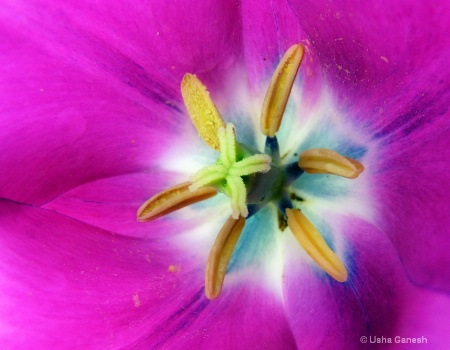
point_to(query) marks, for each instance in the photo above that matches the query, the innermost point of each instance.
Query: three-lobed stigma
(228, 172)
(247, 177)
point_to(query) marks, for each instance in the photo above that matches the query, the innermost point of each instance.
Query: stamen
(326, 161)
(172, 199)
(201, 109)
(220, 255)
(314, 244)
(279, 90)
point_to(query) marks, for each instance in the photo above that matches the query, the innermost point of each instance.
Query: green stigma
(226, 175)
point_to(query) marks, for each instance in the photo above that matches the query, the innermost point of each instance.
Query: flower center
(250, 179)
(227, 174)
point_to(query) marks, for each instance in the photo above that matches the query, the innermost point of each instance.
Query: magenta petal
(337, 313)
(373, 302)
(322, 314)
(88, 92)
(74, 109)
(195, 37)
(368, 45)
(244, 317)
(111, 204)
(425, 317)
(413, 182)
(269, 29)
(388, 63)
(65, 283)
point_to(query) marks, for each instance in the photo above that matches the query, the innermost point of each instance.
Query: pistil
(226, 174)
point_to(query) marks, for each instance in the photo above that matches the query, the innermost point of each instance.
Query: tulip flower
(288, 161)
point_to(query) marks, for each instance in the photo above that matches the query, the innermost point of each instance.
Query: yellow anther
(220, 255)
(326, 161)
(172, 199)
(201, 109)
(279, 90)
(314, 244)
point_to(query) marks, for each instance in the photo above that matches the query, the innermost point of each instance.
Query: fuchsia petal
(388, 63)
(79, 286)
(111, 204)
(373, 302)
(74, 109)
(246, 317)
(338, 314)
(88, 90)
(269, 29)
(414, 180)
(65, 284)
(375, 45)
(425, 317)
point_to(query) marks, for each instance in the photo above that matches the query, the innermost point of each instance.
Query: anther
(326, 161)
(172, 199)
(220, 255)
(279, 90)
(201, 109)
(314, 244)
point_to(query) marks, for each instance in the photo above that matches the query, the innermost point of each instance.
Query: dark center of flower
(250, 179)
